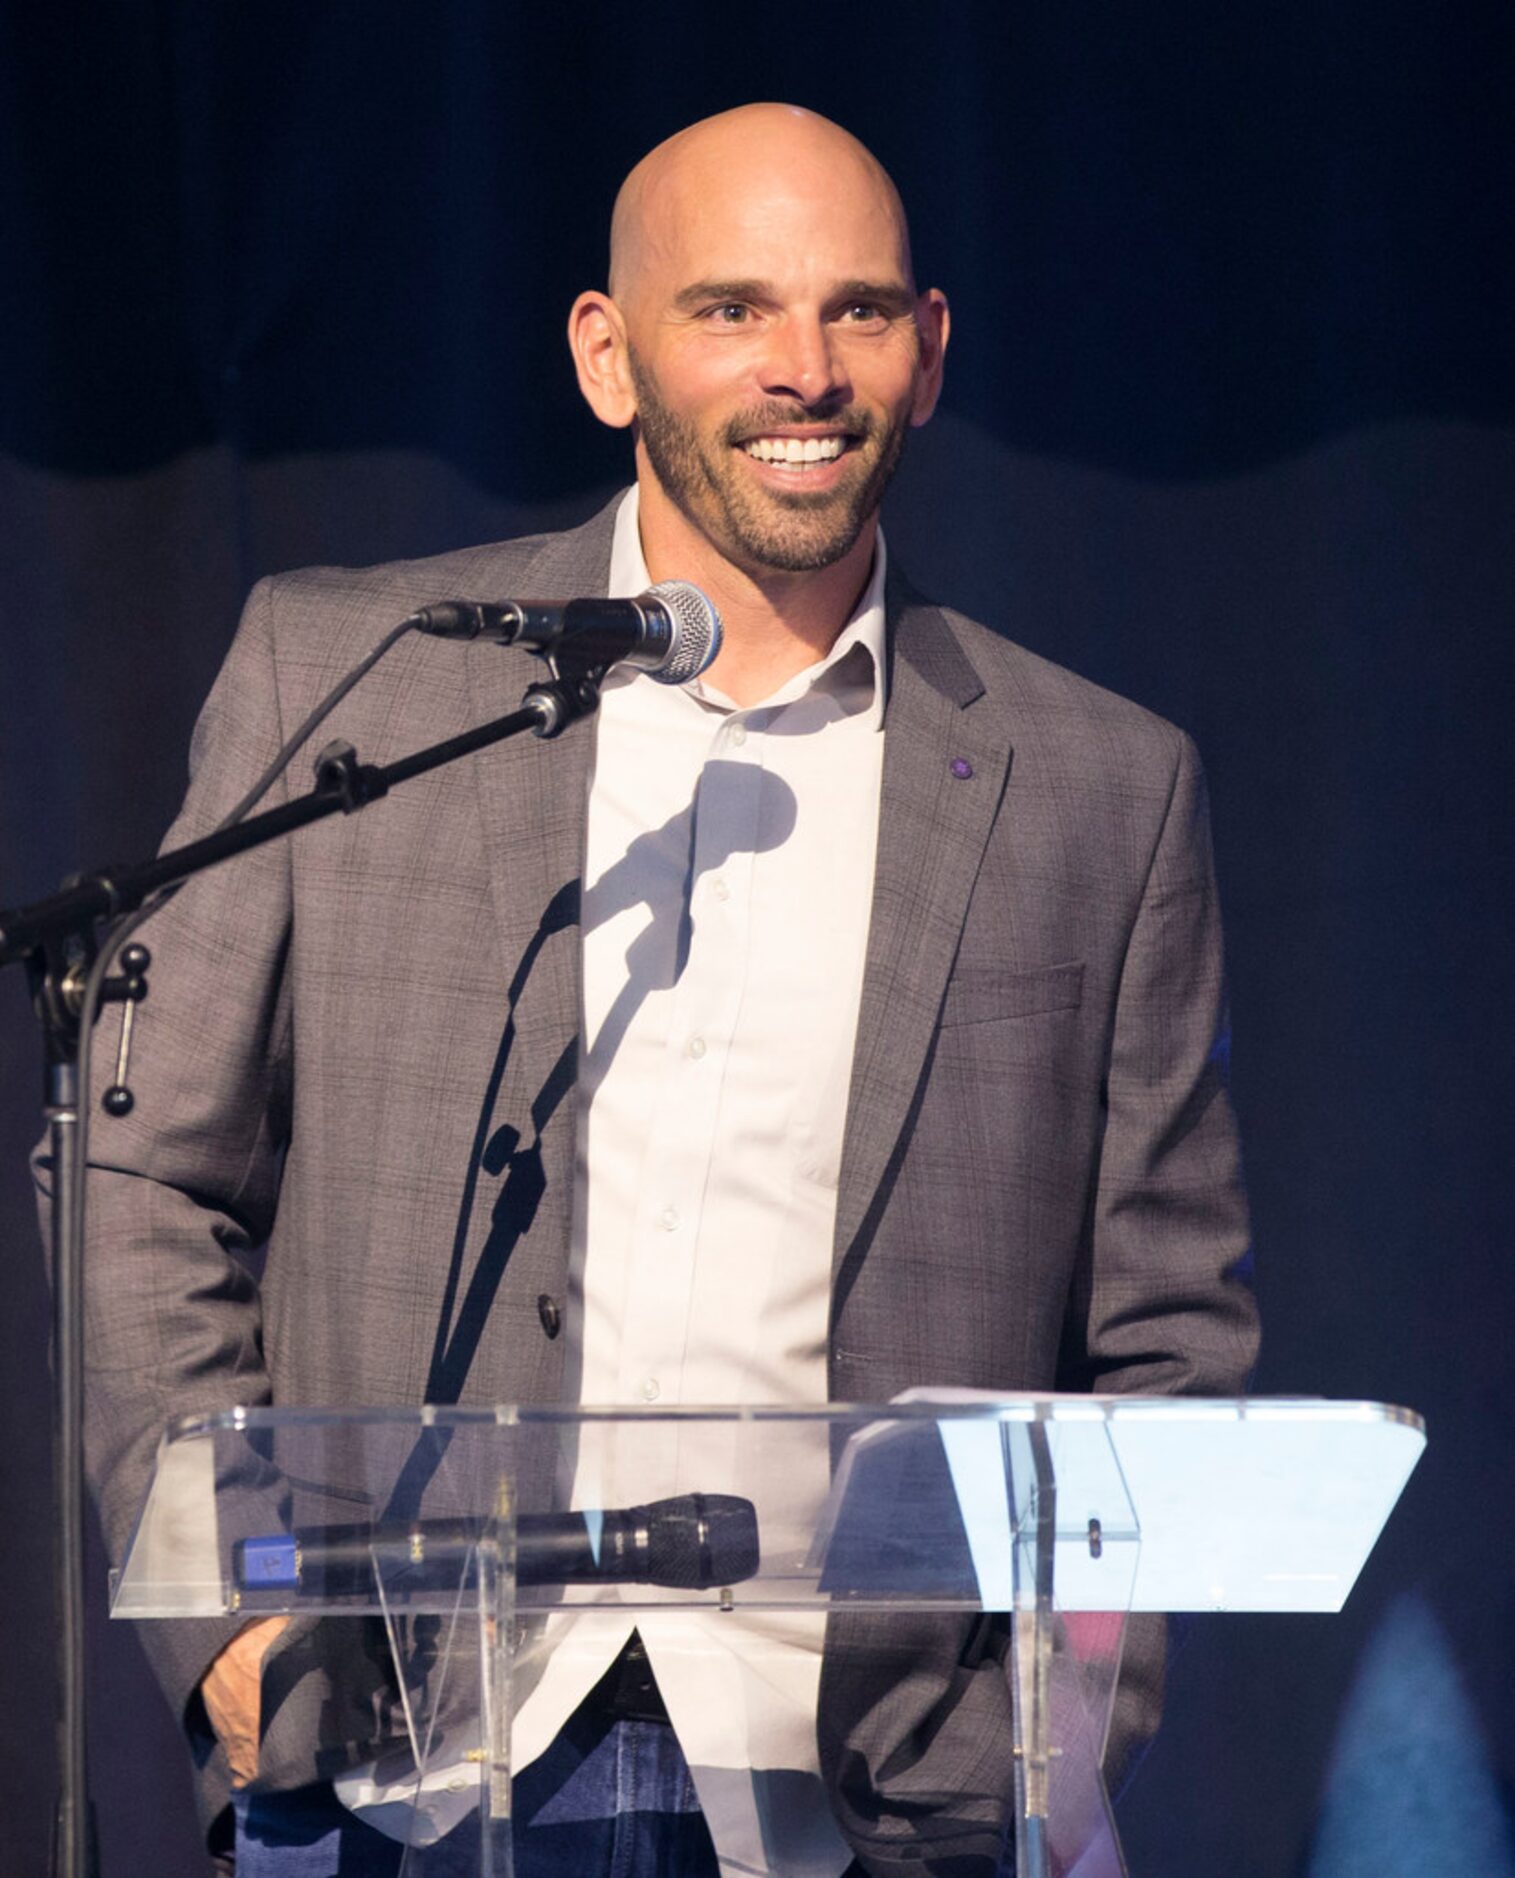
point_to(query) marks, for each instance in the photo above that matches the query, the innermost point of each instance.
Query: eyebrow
(708, 292)
(891, 296)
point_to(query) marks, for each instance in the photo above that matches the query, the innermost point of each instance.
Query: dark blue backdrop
(1228, 427)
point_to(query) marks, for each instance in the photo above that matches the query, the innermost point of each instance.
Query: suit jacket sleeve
(1160, 1302)
(186, 1185)
(1164, 1303)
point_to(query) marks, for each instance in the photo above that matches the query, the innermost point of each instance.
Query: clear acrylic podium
(455, 1530)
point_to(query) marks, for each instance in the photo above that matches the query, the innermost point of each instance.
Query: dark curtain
(1228, 428)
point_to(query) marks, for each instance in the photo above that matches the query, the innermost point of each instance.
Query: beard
(784, 531)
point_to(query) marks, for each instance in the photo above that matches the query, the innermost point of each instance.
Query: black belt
(628, 1691)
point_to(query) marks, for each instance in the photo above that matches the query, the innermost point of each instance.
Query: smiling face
(779, 485)
(765, 336)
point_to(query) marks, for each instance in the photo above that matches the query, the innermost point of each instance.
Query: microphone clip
(354, 784)
(572, 692)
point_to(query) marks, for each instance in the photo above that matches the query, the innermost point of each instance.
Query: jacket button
(551, 1316)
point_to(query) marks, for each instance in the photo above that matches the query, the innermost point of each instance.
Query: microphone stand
(63, 941)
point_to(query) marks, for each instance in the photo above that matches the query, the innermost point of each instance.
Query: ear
(933, 321)
(597, 339)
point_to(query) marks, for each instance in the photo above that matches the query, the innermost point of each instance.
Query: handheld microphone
(689, 1543)
(671, 632)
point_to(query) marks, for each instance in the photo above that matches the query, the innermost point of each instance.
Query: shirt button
(739, 734)
(719, 888)
(549, 1314)
(668, 1219)
(695, 1048)
(651, 1389)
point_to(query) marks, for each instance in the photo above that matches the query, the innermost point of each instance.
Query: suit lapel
(933, 823)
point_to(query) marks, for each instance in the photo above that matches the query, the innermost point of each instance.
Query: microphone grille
(700, 1540)
(696, 632)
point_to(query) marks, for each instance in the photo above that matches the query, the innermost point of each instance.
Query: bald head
(731, 166)
(764, 337)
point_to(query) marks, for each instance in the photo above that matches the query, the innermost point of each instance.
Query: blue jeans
(609, 1799)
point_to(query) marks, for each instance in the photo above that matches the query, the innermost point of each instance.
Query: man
(913, 933)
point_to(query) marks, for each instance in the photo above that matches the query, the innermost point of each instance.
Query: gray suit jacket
(360, 1048)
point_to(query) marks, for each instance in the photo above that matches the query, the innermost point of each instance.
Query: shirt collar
(865, 627)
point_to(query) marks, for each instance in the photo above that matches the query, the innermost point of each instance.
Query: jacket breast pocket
(983, 994)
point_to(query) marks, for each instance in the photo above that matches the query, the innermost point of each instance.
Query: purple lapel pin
(962, 769)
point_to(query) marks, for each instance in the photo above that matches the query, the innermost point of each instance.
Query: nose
(802, 363)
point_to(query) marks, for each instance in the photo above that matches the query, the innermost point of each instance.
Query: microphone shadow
(655, 960)
(662, 870)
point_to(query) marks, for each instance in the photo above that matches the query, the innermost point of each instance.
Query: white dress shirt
(728, 881)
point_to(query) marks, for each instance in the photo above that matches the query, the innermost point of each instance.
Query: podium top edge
(923, 1405)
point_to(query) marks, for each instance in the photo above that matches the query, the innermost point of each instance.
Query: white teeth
(796, 450)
